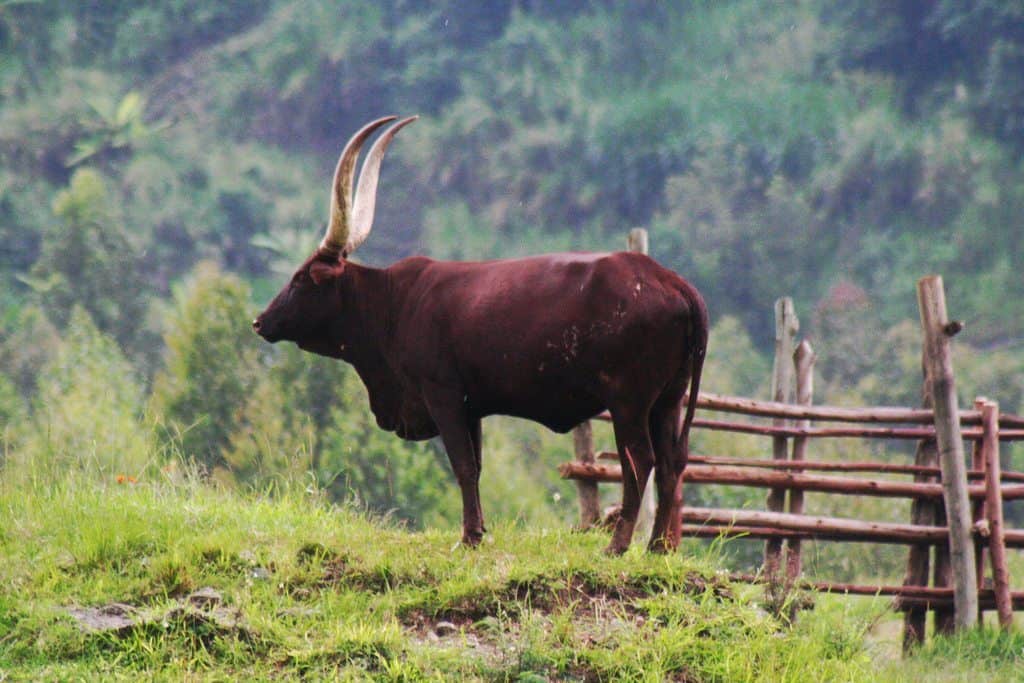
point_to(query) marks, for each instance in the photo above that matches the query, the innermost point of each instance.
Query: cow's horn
(339, 225)
(366, 193)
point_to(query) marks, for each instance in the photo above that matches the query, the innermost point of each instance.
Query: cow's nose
(256, 325)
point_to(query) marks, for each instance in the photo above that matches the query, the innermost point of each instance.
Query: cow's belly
(558, 405)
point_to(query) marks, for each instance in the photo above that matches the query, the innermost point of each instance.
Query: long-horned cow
(555, 339)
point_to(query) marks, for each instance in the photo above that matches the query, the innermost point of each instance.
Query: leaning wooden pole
(803, 362)
(786, 327)
(938, 330)
(994, 514)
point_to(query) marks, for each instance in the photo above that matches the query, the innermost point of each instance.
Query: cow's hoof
(471, 539)
(660, 546)
(614, 550)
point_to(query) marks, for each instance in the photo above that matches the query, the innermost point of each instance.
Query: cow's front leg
(460, 434)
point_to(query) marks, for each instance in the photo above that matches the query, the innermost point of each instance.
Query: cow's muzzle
(265, 330)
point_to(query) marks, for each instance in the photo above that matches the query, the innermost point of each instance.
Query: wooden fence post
(994, 513)
(803, 361)
(590, 502)
(637, 241)
(786, 327)
(939, 363)
(923, 513)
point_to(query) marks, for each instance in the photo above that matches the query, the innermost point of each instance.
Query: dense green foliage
(164, 165)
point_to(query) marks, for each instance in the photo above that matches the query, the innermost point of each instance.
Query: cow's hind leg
(477, 438)
(668, 474)
(636, 456)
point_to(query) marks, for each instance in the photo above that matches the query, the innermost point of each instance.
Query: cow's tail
(699, 340)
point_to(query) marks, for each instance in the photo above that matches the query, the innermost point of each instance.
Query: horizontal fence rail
(825, 528)
(715, 474)
(909, 433)
(877, 467)
(895, 415)
(905, 596)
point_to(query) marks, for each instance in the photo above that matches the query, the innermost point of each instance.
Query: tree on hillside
(12, 414)
(27, 343)
(87, 259)
(309, 416)
(87, 412)
(212, 364)
(280, 427)
(970, 52)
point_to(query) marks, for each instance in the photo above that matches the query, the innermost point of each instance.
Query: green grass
(324, 593)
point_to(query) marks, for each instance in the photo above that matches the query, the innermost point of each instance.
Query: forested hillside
(164, 166)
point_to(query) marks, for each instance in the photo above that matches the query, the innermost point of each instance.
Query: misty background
(164, 167)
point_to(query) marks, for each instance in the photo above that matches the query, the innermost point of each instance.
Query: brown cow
(555, 339)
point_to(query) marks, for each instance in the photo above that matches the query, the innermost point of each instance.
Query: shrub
(212, 364)
(87, 410)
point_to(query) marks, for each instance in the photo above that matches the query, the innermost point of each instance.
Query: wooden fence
(954, 555)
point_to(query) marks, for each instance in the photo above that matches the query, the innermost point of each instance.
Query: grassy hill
(177, 580)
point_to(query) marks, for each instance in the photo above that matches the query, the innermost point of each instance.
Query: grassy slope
(325, 593)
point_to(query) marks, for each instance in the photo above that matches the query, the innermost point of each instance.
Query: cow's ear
(322, 271)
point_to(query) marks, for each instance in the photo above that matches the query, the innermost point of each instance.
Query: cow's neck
(363, 329)
(370, 300)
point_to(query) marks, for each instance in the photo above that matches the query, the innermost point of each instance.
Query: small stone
(205, 598)
(445, 628)
(296, 613)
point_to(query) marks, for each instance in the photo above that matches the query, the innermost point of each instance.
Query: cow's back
(549, 338)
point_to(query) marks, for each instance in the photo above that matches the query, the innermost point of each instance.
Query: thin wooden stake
(786, 327)
(803, 360)
(590, 502)
(994, 513)
(978, 509)
(939, 362)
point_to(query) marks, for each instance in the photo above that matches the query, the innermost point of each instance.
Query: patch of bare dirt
(201, 612)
